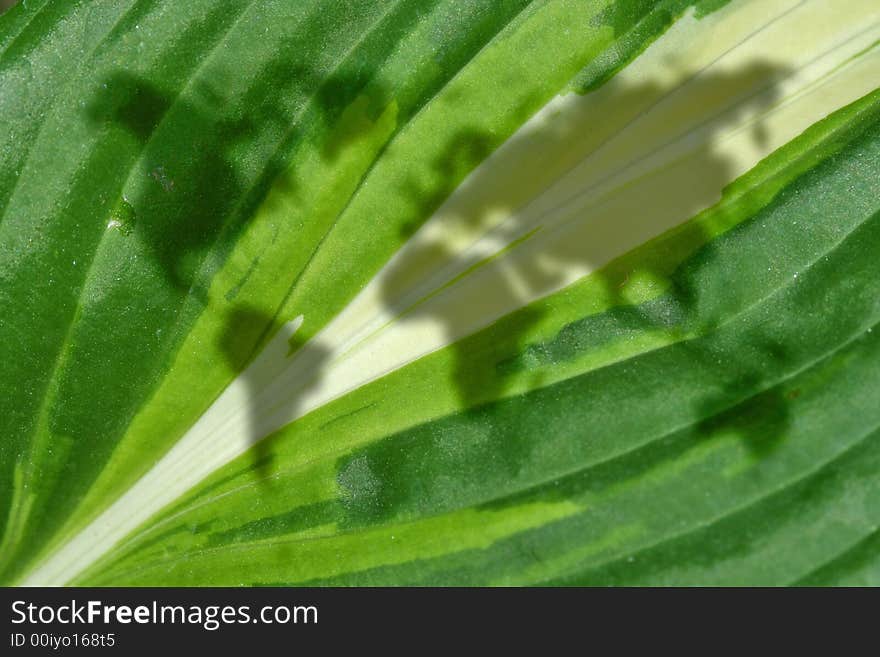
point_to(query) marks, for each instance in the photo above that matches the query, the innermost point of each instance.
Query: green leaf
(444, 292)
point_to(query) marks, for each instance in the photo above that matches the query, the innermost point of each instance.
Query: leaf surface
(576, 292)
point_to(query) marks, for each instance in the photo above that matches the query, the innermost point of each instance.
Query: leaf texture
(475, 293)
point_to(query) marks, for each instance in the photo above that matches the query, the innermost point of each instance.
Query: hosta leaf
(471, 292)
